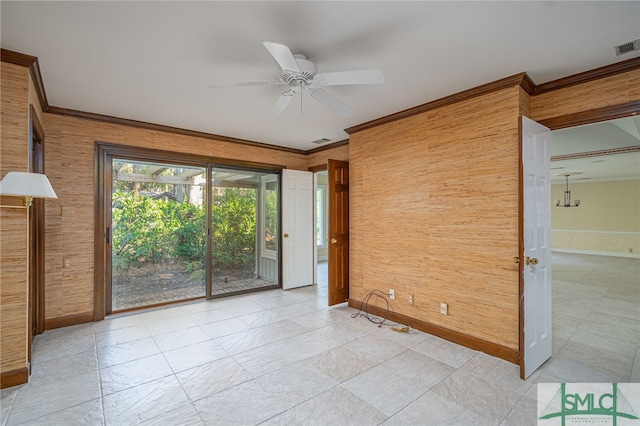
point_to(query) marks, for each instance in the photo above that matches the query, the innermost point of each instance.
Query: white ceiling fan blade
(283, 56)
(246, 83)
(280, 104)
(349, 77)
(331, 102)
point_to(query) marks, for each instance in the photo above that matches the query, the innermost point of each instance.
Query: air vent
(628, 47)
(320, 141)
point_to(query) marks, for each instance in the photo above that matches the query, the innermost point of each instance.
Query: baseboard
(508, 354)
(12, 378)
(68, 320)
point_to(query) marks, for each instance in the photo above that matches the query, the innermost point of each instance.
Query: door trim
(36, 252)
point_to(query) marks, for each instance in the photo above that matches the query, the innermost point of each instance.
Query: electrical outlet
(444, 309)
(411, 299)
(392, 294)
(67, 263)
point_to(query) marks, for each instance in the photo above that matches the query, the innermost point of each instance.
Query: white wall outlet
(392, 294)
(411, 299)
(444, 309)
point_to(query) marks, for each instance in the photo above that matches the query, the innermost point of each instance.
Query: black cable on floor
(364, 308)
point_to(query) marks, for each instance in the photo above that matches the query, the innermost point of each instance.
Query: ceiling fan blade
(349, 77)
(283, 56)
(246, 83)
(280, 104)
(331, 102)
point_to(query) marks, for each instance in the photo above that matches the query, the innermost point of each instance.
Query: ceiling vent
(628, 47)
(320, 141)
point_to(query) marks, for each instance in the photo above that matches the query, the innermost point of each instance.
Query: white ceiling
(151, 61)
(610, 135)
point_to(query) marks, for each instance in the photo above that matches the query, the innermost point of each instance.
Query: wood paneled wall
(13, 227)
(70, 165)
(605, 92)
(320, 158)
(434, 213)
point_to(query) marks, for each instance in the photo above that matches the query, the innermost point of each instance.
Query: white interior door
(536, 259)
(297, 228)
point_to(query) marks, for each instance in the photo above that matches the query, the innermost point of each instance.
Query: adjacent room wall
(70, 224)
(607, 221)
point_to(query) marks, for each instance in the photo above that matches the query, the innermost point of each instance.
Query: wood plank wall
(13, 224)
(320, 158)
(70, 165)
(605, 92)
(434, 213)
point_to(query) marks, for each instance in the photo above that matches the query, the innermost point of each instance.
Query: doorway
(321, 230)
(596, 292)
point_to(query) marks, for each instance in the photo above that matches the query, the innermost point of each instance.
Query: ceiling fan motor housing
(304, 77)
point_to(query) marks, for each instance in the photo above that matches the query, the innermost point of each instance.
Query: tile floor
(281, 357)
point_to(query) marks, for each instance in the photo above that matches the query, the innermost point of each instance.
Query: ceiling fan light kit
(301, 75)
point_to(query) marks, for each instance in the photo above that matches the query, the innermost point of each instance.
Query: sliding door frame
(105, 152)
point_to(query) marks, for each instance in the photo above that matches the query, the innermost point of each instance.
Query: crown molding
(30, 62)
(163, 128)
(522, 80)
(587, 76)
(592, 116)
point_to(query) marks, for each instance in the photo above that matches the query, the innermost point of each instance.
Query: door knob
(286, 235)
(516, 259)
(334, 241)
(531, 260)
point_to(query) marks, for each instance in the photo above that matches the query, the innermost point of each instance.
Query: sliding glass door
(183, 231)
(158, 218)
(244, 230)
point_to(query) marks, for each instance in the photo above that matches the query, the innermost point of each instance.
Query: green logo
(588, 403)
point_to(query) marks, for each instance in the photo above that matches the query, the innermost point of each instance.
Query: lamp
(27, 185)
(567, 197)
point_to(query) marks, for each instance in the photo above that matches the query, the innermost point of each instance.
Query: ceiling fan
(301, 75)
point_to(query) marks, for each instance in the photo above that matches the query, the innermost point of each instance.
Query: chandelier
(567, 197)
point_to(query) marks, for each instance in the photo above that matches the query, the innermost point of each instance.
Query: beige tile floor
(283, 357)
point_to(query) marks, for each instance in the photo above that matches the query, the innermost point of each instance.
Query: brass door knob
(516, 259)
(286, 235)
(531, 261)
(334, 241)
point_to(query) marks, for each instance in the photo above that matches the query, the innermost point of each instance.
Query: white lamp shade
(23, 184)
